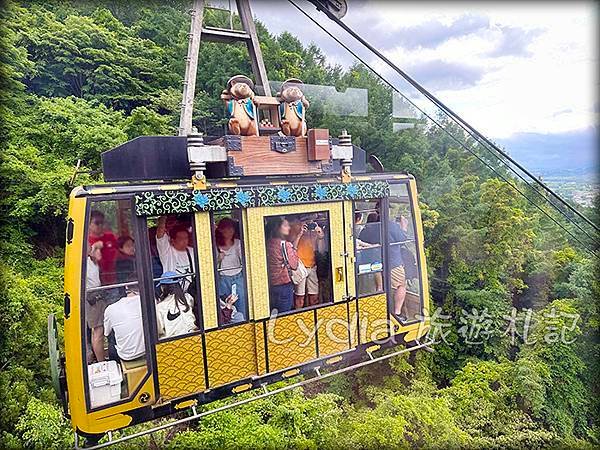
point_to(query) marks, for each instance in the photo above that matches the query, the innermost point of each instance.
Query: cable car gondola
(207, 266)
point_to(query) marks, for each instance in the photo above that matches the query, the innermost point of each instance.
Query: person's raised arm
(320, 247)
(161, 227)
(162, 238)
(303, 230)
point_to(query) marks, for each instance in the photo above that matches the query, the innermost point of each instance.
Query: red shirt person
(110, 249)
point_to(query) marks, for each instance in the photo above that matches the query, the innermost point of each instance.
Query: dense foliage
(78, 78)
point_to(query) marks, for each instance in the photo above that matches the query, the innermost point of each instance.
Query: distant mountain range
(571, 154)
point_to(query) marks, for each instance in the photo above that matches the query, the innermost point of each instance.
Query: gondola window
(115, 350)
(368, 244)
(232, 288)
(298, 261)
(403, 267)
(173, 262)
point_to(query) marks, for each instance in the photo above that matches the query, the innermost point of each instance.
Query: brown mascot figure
(239, 99)
(292, 108)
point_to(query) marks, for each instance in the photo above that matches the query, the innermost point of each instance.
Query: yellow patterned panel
(231, 354)
(256, 261)
(338, 260)
(180, 367)
(290, 340)
(206, 269)
(373, 315)
(261, 358)
(249, 265)
(332, 328)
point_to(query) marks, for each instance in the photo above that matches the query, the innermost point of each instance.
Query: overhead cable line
(489, 146)
(460, 143)
(451, 113)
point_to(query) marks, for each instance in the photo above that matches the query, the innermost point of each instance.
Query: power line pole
(191, 68)
(214, 34)
(256, 59)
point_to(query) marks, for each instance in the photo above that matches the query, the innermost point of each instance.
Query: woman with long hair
(230, 264)
(281, 260)
(174, 311)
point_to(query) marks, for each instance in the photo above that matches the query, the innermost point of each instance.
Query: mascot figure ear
(241, 108)
(292, 108)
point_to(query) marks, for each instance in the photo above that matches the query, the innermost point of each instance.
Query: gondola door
(171, 256)
(227, 299)
(315, 322)
(408, 288)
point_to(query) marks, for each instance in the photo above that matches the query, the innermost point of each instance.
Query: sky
(523, 73)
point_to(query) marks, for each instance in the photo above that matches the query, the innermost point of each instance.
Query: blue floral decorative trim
(176, 202)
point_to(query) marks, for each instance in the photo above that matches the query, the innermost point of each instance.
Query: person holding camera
(311, 241)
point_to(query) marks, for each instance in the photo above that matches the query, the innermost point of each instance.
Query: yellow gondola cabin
(354, 308)
(209, 266)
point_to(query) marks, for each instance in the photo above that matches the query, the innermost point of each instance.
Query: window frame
(381, 246)
(157, 340)
(213, 240)
(266, 261)
(387, 202)
(146, 308)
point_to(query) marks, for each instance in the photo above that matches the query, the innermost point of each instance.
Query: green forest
(515, 315)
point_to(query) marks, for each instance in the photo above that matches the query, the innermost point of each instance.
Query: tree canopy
(78, 78)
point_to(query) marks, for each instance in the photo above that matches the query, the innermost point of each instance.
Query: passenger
(174, 311)
(98, 233)
(229, 264)
(358, 227)
(174, 251)
(371, 234)
(397, 233)
(370, 238)
(228, 313)
(95, 303)
(357, 223)
(125, 264)
(125, 318)
(281, 260)
(310, 241)
(409, 260)
(185, 221)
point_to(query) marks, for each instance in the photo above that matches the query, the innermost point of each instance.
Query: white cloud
(538, 60)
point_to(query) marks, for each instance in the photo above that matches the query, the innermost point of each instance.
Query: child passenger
(125, 264)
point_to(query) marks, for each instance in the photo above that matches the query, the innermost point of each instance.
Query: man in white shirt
(174, 251)
(125, 318)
